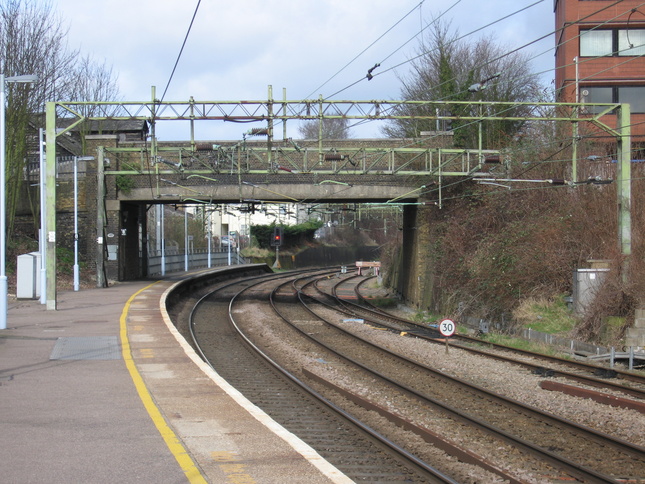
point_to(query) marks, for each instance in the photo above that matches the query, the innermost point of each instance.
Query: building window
(631, 42)
(612, 42)
(634, 95)
(594, 43)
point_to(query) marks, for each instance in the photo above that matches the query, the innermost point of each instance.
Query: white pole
(76, 273)
(185, 239)
(210, 235)
(229, 249)
(3, 208)
(575, 61)
(157, 228)
(228, 234)
(41, 239)
(3, 217)
(163, 241)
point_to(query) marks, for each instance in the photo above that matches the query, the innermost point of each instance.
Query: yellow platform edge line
(173, 442)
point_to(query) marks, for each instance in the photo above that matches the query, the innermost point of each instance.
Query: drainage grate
(87, 348)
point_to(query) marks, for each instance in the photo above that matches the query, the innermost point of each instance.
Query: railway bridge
(403, 173)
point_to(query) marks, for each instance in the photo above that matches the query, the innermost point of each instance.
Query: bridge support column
(415, 281)
(131, 254)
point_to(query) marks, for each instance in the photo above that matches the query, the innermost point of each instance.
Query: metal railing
(175, 261)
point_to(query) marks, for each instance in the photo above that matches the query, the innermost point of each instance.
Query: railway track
(336, 435)
(631, 384)
(575, 448)
(406, 408)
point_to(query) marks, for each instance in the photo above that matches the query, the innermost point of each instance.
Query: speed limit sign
(447, 327)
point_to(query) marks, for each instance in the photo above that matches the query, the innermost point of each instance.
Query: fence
(175, 261)
(591, 351)
(574, 346)
(64, 168)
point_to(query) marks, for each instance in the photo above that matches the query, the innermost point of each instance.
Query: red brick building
(600, 55)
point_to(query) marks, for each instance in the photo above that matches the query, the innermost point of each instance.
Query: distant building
(600, 55)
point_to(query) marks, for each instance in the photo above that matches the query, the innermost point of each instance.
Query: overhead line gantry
(413, 159)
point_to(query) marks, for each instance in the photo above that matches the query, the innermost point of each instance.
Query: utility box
(28, 276)
(586, 282)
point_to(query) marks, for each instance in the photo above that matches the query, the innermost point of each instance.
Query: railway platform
(103, 389)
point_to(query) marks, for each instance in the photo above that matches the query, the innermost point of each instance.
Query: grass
(256, 252)
(545, 315)
(384, 302)
(425, 318)
(520, 344)
(613, 330)
(551, 316)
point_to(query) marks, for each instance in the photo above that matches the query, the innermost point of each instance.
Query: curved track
(334, 434)
(296, 327)
(595, 375)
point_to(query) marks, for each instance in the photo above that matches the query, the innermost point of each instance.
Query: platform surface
(102, 389)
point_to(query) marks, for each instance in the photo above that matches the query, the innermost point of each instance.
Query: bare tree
(444, 70)
(337, 128)
(33, 41)
(93, 82)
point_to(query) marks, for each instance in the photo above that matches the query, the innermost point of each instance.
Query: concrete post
(100, 219)
(50, 203)
(624, 175)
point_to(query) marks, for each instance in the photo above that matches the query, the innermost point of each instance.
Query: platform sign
(447, 327)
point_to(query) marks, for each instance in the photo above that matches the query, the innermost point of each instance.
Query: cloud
(236, 49)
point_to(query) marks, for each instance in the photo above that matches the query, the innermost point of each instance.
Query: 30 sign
(447, 327)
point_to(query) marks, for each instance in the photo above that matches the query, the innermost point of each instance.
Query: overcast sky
(236, 49)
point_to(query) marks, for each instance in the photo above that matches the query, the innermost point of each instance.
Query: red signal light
(277, 237)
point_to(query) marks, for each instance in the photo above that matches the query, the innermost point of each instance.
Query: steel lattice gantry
(405, 160)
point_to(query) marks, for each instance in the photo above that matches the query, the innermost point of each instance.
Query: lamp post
(41, 237)
(163, 241)
(3, 210)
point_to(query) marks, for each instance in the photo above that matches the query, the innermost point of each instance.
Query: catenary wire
(424, 53)
(532, 42)
(181, 50)
(365, 121)
(418, 6)
(543, 37)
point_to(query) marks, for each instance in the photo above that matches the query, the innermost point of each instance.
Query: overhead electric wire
(434, 20)
(519, 48)
(368, 47)
(533, 166)
(541, 38)
(181, 50)
(454, 40)
(369, 75)
(424, 53)
(515, 50)
(577, 37)
(467, 35)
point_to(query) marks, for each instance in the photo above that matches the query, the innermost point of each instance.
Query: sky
(236, 49)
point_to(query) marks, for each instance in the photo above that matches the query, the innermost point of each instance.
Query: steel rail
(599, 437)
(252, 282)
(376, 313)
(409, 458)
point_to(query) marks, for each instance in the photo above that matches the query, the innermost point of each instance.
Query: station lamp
(26, 79)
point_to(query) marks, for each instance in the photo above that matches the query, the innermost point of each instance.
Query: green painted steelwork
(405, 161)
